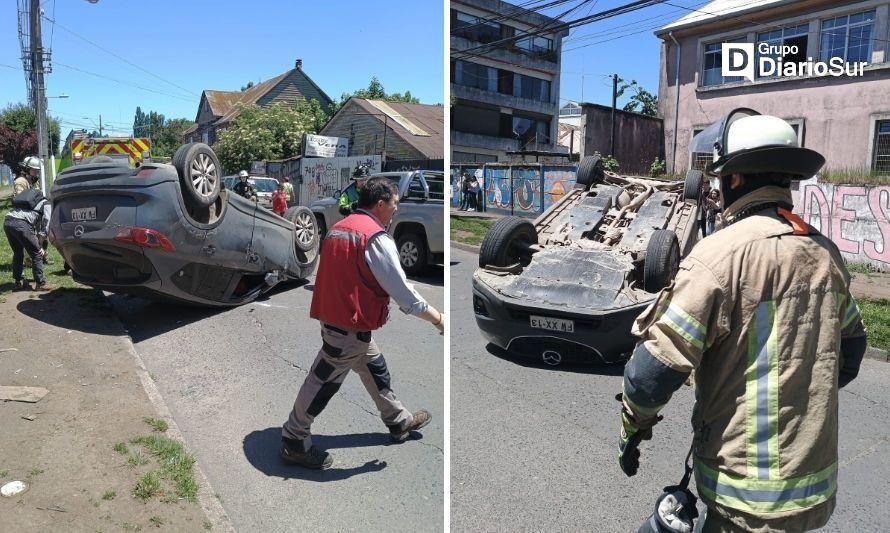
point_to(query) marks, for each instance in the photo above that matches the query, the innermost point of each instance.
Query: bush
(657, 168)
(609, 163)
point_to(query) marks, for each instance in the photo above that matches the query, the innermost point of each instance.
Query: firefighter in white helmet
(30, 174)
(762, 313)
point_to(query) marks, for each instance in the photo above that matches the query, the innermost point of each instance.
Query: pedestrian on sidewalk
(472, 193)
(279, 200)
(289, 191)
(358, 273)
(763, 315)
(28, 217)
(464, 196)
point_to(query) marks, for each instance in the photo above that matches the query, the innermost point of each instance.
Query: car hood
(589, 280)
(323, 203)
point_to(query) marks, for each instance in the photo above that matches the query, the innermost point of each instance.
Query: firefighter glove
(628, 443)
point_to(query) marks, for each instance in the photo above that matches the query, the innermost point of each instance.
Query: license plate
(83, 213)
(552, 324)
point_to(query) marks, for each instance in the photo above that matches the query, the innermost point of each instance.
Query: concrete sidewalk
(64, 446)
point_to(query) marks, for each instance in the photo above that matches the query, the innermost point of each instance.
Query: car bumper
(599, 337)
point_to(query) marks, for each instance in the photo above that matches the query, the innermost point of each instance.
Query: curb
(211, 506)
(473, 249)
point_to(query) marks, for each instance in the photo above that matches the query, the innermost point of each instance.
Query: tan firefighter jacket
(759, 312)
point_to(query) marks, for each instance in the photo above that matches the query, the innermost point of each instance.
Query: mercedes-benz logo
(78, 231)
(551, 357)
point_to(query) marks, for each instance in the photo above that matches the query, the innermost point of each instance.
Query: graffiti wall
(321, 177)
(855, 217)
(522, 190)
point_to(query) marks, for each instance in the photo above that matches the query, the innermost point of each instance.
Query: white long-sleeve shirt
(382, 258)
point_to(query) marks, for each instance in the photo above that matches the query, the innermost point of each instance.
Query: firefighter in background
(349, 197)
(31, 167)
(243, 187)
(762, 313)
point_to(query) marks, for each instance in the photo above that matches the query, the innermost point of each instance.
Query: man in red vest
(358, 273)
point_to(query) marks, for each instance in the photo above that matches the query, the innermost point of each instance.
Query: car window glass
(415, 188)
(436, 183)
(265, 185)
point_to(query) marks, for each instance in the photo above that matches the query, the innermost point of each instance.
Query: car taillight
(146, 238)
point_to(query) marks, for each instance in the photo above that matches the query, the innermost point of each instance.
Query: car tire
(322, 227)
(306, 233)
(662, 260)
(412, 253)
(590, 171)
(506, 243)
(199, 174)
(692, 185)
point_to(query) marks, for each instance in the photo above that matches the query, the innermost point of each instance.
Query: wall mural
(557, 182)
(523, 190)
(322, 176)
(855, 217)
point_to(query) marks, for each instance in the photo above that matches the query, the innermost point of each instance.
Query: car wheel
(306, 234)
(590, 171)
(662, 260)
(412, 253)
(507, 243)
(199, 174)
(692, 185)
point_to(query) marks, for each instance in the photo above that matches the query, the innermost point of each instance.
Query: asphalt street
(534, 448)
(230, 379)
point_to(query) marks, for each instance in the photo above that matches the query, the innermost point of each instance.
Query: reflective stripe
(762, 394)
(350, 236)
(754, 495)
(851, 314)
(685, 325)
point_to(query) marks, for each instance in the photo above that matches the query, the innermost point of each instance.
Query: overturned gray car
(173, 232)
(567, 286)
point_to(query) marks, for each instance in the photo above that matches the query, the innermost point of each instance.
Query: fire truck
(133, 149)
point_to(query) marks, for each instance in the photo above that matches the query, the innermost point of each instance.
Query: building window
(475, 75)
(713, 63)
(531, 88)
(881, 159)
(528, 130)
(474, 28)
(794, 36)
(534, 44)
(848, 37)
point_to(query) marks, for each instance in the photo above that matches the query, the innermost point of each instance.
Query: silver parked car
(171, 232)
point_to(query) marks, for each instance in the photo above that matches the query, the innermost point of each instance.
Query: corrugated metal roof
(420, 125)
(720, 9)
(221, 102)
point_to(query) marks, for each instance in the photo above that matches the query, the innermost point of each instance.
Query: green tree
(140, 123)
(18, 134)
(641, 101)
(262, 133)
(375, 91)
(165, 134)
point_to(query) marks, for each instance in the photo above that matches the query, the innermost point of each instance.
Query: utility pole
(614, 105)
(37, 87)
(100, 125)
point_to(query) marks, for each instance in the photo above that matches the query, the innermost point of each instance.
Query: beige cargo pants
(341, 352)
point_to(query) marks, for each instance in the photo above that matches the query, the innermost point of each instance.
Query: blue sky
(169, 51)
(625, 45)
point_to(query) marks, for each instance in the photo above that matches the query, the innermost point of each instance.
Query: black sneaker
(292, 453)
(421, 418)
(20, 285)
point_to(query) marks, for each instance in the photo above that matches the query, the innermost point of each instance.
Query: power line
(126, 83)
(620, 10)
(134, 65)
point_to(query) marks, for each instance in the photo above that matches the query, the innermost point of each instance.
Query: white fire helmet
(32, 161)
(746, 142)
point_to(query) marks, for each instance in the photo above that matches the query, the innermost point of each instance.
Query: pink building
(845, 117)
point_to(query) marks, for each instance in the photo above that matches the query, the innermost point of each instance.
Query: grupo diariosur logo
(739, 60)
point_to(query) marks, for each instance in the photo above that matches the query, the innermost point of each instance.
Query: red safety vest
(346, 292)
